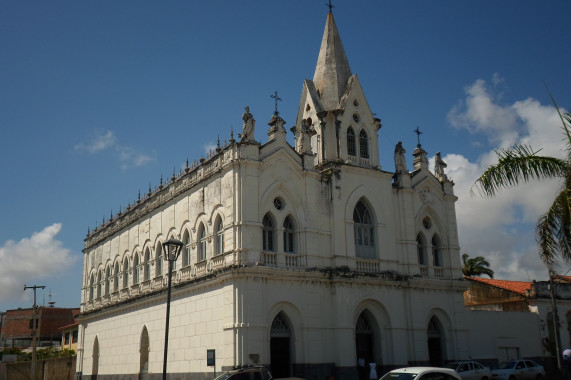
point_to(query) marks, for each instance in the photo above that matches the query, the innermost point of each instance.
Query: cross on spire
(330, 6)
(276, 98)
(418, 133)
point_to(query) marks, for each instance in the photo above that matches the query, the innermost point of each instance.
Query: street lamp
(172, 248)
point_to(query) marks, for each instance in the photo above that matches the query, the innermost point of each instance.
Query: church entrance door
(280, 337)
(435, 343)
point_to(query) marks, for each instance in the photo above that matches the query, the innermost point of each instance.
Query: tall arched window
(186, 249)
(91, 286)
(363, 144)
(99, 281)
(420, 249)
(351, 144)
(201, 243)
(436, 251)
(364, 232)
(159, 260)
(107, 280)
(126, 273)
(116, 273)
(219, 231)
(147, 265)
(288, 235)
(267, 233)
(136, 269)
(144, 352)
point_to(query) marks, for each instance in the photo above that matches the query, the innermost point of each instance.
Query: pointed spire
(332, 71)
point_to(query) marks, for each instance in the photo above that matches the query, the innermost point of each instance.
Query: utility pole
(34, 323)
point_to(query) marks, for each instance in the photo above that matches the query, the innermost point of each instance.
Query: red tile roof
(518, 287)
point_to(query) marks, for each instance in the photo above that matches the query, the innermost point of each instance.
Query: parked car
(247, 372)
(471, 370)
(422, 373)
(518, 370)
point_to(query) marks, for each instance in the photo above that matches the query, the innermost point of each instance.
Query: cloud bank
(502, 228)
(31, 260)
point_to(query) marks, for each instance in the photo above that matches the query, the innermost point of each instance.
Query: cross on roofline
(277, 98)
(418, 133)
(330, 6)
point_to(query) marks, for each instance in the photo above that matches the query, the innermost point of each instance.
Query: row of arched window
(116, 277)
(352, 143)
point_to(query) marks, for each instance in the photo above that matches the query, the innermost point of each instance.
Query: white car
(518, 370)
(422, 373)
(471, 370)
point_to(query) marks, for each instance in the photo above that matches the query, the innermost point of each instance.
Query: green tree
(521, 164)
(476, 266)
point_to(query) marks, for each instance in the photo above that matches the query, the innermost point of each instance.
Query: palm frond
(553, 230)
(565, 121)
(515, 165)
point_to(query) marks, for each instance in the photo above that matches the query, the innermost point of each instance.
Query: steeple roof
(332, 71)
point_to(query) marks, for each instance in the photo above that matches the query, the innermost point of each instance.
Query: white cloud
(30, 260)
(128, 156)
(502, 228)
(99, 142)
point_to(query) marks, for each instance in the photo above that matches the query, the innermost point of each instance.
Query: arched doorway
(436, 343)
(366, 339)
(95, 365)
(280, 339)
(144, 354)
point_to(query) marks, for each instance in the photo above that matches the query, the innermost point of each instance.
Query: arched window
(147, 265)
(268, 234)
(186, 249)
(288, 235)
(116, 274)
(159, 260)
(420, 249)
(126, 273)
(436, 251)
(91, 286)
(351, 144)
(99, 281)
(136, 269)
(107, 280)
(364, 232)
(201, 243)
(363, 144)
(219, 242)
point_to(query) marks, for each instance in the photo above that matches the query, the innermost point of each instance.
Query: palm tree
(521, 164)
(476, 266)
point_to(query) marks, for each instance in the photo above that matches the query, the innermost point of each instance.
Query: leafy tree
(521, 164)
(476, 266)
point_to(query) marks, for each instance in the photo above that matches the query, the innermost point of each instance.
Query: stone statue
(249, 124)
(439, 166)
(400, 161)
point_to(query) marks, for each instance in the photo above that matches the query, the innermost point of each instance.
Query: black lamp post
(171, 248)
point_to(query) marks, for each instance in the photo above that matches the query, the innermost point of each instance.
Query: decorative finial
(277, 98)
(173, 173)
(139, 196)
(161, 184)
(232, 141)
(150, 190)
(330, 6)
(418, 133)
(218, 149)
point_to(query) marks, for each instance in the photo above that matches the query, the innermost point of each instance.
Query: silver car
(471, 370)
(518, 370)
(421, 373)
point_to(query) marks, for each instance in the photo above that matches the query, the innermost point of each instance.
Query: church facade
(308, 259)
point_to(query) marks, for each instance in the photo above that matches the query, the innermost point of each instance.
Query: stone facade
(302, 258)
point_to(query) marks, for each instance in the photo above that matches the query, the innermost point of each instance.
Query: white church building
(300, 258)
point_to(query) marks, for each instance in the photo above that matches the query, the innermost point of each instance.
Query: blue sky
(99, 99)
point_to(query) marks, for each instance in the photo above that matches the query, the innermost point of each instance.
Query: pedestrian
(373, 373)
(567, 360)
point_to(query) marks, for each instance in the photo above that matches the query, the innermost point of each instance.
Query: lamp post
(172, 248)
